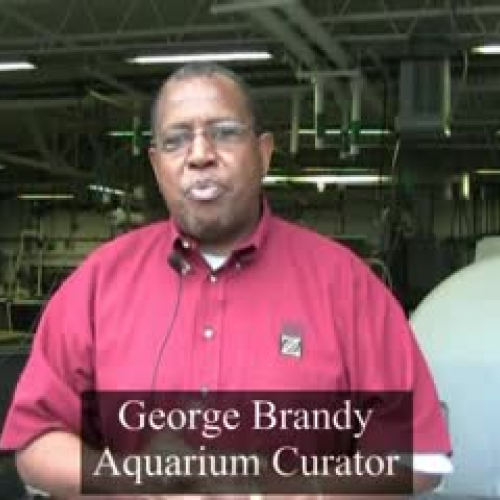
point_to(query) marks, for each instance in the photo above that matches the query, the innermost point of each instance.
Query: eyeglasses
(222, 133)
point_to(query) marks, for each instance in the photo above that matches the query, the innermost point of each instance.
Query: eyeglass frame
(210, 131)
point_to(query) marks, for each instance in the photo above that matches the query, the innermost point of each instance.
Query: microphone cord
(168, 332)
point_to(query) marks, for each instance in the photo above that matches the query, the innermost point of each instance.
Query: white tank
(458, 329)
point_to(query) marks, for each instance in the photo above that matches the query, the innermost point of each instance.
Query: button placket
(206, 354)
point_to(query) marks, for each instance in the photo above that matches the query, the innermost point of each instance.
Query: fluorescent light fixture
(338, 170)
(323, 180)
(488, 171)
(337, 131)
(46, 196)
(128, 133)
(16, 65)
(488, 49)
(99, 188)
(201, 57)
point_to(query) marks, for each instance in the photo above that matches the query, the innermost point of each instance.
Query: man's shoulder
(130, 245)
(117, 260)
(141, 236)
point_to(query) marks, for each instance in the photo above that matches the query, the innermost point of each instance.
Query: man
(224, 296)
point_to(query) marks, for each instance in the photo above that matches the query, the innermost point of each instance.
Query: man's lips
(204, 190)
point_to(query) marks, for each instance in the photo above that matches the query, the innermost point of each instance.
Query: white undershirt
(215, 262)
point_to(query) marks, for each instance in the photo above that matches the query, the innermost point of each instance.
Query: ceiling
(55, 120)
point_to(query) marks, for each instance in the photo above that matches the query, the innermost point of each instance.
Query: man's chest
(220, 332)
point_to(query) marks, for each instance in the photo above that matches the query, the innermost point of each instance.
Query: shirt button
(208, 333)
(238, 265)
(213, 278)
(204, 390)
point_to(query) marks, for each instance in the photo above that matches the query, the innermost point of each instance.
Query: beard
(222, 225)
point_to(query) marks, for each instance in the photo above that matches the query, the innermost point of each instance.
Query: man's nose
(202, 152)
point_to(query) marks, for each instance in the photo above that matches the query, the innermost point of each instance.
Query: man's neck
(216, 250)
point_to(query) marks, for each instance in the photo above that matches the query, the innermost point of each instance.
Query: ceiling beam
(109, 37)
(56, 37)
(35, 164)
(246, 5)
(117, 99)
(28, 23)
(134, 95)
(401, 14)
(41, 103)
(34, 187)
(106, 39)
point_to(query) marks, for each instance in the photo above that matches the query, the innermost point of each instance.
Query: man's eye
(226, 132)
(176, 140)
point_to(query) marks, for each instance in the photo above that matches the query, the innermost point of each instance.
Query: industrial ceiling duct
(424, 97)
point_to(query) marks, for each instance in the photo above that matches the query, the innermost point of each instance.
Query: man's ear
(154, 159)
(266, 148)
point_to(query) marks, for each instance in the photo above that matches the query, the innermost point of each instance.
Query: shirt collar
(249, 246)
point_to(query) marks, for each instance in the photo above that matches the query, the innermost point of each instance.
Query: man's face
(207, 159)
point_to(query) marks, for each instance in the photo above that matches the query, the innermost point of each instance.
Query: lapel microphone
(178, 263)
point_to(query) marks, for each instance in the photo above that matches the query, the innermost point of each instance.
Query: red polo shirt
(106, 325)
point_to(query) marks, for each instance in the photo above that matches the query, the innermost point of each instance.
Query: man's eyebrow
(177, 125)
(211, 121)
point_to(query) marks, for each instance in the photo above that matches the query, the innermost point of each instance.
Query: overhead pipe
(355, 125)
(293, 43)
(303, 19)
(344, 132)
(113, 82)
(45, 166)
(136, 136)
(273, 24)
(299, 16)
(246, 5)
(319, 111)
(295, 123)
(304, 53)
(112, 101)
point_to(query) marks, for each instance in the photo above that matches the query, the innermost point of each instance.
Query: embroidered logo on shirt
(291, 341)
